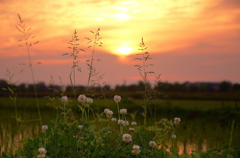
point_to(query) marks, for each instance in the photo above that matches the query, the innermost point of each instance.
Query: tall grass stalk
(23, 28)
(14, 96)
(74, 54)
(142, 71)
(99, 85)
(95, 43)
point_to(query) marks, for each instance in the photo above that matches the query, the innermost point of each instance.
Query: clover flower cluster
(136, 149)
(44, 127)
(152, 144)
(131, 129)
(134, 123)
(64, 99)
(113, 119)
(83, 99)
(117, 98)
(108, 112)
(42, 152)
(177, 120)
(127, 138)
(123, 111)
(122, 122)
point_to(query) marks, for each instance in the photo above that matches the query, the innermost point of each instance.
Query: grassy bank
(204, 123)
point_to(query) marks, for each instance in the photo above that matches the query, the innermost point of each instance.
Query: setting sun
(124, 50)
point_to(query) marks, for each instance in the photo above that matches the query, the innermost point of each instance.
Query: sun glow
(124, 50)
(122, 16)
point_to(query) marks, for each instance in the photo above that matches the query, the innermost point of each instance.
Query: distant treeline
(224, 86)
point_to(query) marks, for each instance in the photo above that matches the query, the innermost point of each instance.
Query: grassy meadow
(204, 123)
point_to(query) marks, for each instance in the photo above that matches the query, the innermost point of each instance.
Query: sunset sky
(189, 40)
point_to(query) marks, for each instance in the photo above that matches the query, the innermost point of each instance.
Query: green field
(203, 123)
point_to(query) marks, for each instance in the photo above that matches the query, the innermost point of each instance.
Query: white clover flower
(131, 129)
(41, 156)
(174, 136)
(89, 100)
(136, 149)
(80, 126)
(125, 123)
(82, 98)
(127, 138)
(177, 120)
(113, 119)
(109, 113)
(123, 111)
(152, 144)
(106, 111)
(42, 151)
(134, 123)
(64, 99)
(117, 98)
(120, 121)
(44, 127)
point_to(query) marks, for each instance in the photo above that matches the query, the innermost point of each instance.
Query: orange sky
(189, 40)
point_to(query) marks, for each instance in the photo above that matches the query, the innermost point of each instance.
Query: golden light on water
(123, 50)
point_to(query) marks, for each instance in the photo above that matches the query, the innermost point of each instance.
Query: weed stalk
(22, 28)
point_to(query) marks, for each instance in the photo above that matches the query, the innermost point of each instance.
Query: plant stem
(118, 111)
(29, 57)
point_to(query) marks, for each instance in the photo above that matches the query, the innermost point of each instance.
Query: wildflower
(117, 98)
(127, 138)
(136, 149)
(109, 132)
(134, 123)
(125, 123)
(109, 113)
(44, 127)
(80, 126)
(120, 121)
(174, 136)
(89, 100)
(82, 98)
(64, 99)
(152, 144)
(106, 111)
(131, 129)
(123, 111)
(177, 120)
(42, 152)
(113, 119)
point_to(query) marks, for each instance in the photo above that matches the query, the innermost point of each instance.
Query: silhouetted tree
(236, 87)
(41, 87)
(3, 84)
(106, 88)
(21, 88)
(80, 88)
(225, 86)
(164, 87)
